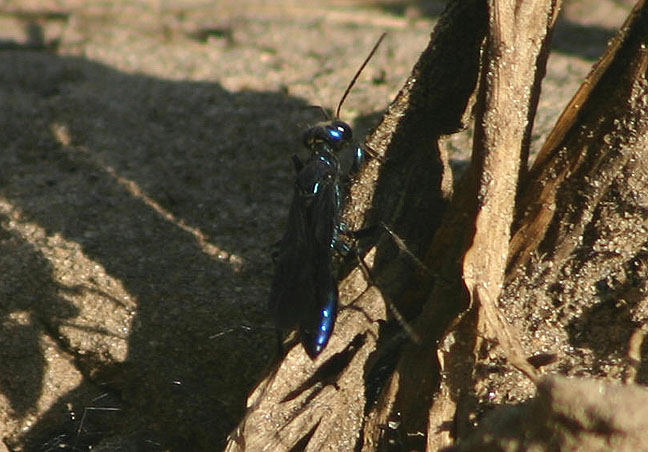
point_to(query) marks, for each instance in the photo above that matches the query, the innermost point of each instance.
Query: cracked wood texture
(522, 265)
(471, 244)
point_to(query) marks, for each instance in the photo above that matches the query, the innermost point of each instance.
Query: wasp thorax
(335, 133)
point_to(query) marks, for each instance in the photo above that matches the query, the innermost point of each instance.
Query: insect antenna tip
(357, 74)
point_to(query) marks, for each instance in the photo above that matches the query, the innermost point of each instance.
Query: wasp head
(335, 134)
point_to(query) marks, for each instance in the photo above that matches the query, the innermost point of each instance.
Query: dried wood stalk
(515, 58)
(514, 62)
(407, 394)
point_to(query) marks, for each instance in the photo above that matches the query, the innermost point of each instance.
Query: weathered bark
(522, 264)
(484, 207)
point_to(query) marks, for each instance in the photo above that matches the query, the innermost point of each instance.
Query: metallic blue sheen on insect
(304, 288)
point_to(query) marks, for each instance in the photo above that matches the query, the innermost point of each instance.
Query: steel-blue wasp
(304, 289)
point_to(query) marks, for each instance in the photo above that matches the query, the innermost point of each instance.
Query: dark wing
(294, 268)
(304, 290)
(318, 318)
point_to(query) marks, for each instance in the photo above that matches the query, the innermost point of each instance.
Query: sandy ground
(144, 175)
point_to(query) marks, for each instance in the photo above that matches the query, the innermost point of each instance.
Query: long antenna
(355, 77)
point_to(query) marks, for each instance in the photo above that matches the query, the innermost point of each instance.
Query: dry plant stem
(559, 160)
(519, 30)
(507, 98)
(585, 204)
(583, 220)
(440, 87)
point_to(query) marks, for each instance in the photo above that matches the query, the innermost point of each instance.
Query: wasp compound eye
(333, 134)
(340, 131)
